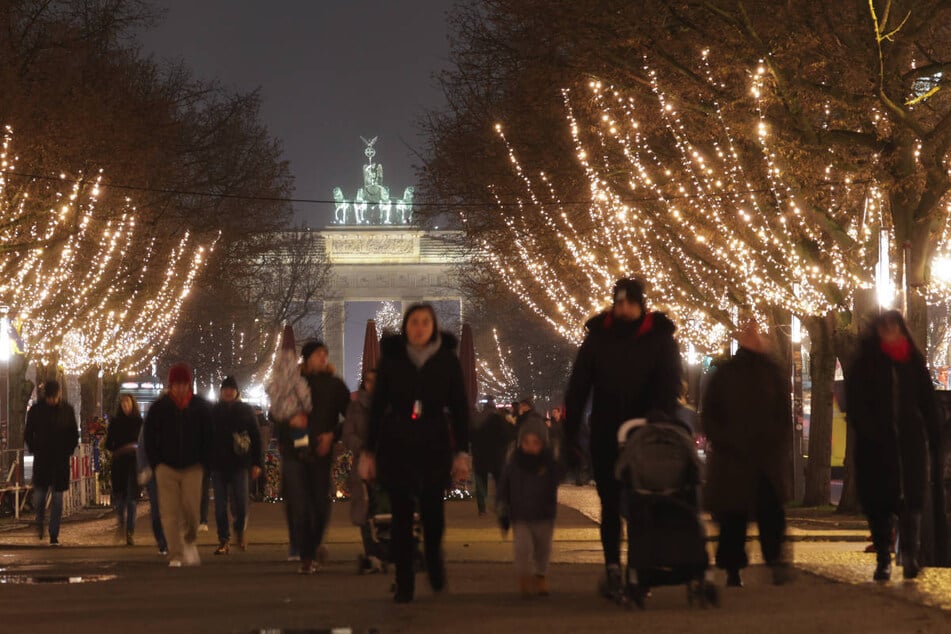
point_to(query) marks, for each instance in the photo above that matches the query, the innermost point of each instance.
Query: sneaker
(293, 558)
(163, 552)
(55, 542)
(203, 527)
(307, 567)
(175, 563)
(190, 555)
(223, 548)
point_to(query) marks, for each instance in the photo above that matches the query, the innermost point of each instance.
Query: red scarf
(898, 350)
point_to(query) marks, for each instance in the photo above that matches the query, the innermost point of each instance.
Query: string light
(87, 286)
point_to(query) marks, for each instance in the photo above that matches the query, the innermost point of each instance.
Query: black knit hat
(50, 389)
(231, 382)
(630, 289)
(310, 348)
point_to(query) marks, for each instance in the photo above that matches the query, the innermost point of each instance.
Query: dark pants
(152, 488)
(125, 502)
(307, 484)
(205, 485)
(771, 521)
(482, 486)
(230, 486)
(40, 495)
(402, 543)
(609, 490)
(881, 523)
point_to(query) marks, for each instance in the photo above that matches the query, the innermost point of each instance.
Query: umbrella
(468, 361)
(371, 347)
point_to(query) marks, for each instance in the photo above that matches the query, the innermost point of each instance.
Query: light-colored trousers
(532, 541)
(179, 494)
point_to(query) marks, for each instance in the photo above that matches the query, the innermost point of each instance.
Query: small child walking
(527, 502)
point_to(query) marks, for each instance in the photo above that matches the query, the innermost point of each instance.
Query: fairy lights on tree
(88, 283)
(714, 225)
(497, 378)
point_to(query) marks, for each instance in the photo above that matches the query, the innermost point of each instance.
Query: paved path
(258, 590)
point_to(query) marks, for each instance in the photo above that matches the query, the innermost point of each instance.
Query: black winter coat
(893, 410)
(528, 489)
(411, 452)
(628, 369)
(747, 417)
(178, 438)
(123, 432)
(228, 419)
(52, 436)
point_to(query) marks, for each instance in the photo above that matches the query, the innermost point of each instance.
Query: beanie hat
(310, 348)
(630, 289)
(231, 382)
(534, 425)
(180, 373)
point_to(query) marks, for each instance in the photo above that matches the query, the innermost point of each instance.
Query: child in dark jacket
(528, 502)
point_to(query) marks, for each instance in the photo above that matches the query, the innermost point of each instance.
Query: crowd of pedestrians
(408, 428)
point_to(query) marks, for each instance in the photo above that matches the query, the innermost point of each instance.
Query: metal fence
(16, 475)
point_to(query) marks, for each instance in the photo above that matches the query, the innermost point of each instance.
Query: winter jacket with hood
(747, 418)
(892, 407)
(628, 368)
(51, 435)
(419, 415)
(178, 437)
(528, 488)
(228, 419)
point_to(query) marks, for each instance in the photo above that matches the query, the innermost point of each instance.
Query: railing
(16, 477)
(14, 493)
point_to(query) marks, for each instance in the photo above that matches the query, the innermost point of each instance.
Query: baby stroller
(375, 532)
(659, 470)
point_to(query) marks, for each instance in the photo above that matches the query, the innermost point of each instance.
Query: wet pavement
(259, 591)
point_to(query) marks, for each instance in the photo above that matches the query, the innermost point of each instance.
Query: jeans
(230, 486)
(307, 485)
(160, 541)
(40, 493)
(126, 502)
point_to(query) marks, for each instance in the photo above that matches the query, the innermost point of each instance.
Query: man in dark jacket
(629, 364)
(491, 441)
(747, 419)
(51, 435)
(307, 470)
(235, 451)
(178, 445)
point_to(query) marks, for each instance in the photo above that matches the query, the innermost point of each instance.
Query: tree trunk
(20, 391)
(822, 372)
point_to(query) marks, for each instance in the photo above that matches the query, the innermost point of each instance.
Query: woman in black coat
(891, 405)
(122, 438)
(418, 438)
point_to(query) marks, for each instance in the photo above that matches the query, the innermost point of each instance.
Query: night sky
(330, 71)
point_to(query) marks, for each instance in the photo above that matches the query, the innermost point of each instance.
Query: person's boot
(224, 547)
(909, 534)
(611, 586)
(733, 578)
(883, 568)
(526, 586)
(541, 585)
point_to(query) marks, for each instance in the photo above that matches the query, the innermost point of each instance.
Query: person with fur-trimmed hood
(527, 502)
(419, 438)
(629, 364)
